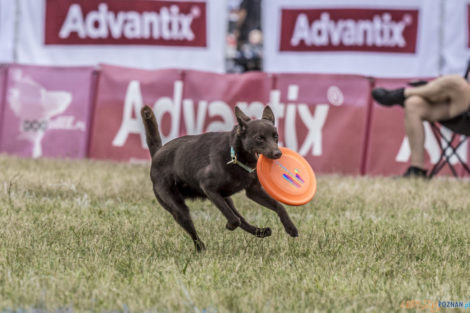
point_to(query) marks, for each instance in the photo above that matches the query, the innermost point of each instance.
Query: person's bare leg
(442, 89)
(415, 130)
(418, 110)
(452, 89)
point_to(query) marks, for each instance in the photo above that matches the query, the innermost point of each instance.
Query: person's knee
(415, 105)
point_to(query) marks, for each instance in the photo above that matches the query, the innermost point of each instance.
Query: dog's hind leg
(258, 232)
(180, 211)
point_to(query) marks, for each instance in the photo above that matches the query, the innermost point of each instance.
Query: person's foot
(389, 97)
(415, 172)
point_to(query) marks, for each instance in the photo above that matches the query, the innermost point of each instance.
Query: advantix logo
(146, 22)
(374, 30)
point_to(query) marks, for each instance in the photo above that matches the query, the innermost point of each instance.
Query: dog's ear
(242, 118)
(268, 114)
(240, 115)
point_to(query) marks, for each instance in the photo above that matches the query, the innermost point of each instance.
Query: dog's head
(258, 136)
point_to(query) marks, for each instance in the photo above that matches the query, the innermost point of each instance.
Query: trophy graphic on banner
(35, 106)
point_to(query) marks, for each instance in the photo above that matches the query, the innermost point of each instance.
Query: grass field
(89, 236)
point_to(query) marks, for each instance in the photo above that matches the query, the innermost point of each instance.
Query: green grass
(89, 236)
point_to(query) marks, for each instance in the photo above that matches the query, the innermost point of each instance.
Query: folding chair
(460, 126)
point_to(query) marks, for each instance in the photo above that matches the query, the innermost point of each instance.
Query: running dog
(214, 166)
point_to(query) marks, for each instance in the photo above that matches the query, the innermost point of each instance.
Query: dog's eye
(259, 138)
(275, 137)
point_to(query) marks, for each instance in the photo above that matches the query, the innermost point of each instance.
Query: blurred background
(244, 36)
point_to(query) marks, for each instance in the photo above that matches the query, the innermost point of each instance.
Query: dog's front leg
(233, 221)
(258, 232)
(256, 193)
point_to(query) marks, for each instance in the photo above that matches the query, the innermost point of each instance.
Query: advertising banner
(323, 117)
(369, 37)
(329, 119)
(47, 111)
(147, 34)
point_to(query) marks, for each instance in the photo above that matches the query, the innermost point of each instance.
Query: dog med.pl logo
(365, 30)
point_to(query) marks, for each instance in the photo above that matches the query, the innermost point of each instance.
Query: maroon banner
(328, 119)
(47, 111)
(377, 30)
(388, 151)
(323, 117)
(117, 22)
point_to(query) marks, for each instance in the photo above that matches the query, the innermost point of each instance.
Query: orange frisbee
(289, 179)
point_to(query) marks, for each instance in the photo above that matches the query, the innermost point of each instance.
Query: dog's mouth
(273, 155)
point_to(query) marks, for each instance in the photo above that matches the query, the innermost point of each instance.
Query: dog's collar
(234, 160)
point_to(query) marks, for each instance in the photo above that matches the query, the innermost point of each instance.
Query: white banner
(370, 37)
(7, 30)
(456, 41)
(148, 34)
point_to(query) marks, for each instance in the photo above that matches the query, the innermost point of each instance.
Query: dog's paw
(263, 232)
(199, 245)
(231, 225)
(292, 230)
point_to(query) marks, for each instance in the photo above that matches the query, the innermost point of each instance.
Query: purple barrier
(46, 111)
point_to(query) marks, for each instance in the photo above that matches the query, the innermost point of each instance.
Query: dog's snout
(277, 154)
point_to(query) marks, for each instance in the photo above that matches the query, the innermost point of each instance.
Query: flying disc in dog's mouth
(288, 179)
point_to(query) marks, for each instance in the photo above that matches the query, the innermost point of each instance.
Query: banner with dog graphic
(389, 150)
(369, 37)
(147, 34)
(46, 111)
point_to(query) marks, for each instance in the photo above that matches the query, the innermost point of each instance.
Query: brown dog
(214, 166)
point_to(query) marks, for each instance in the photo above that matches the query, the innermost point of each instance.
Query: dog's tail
(154, 141)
